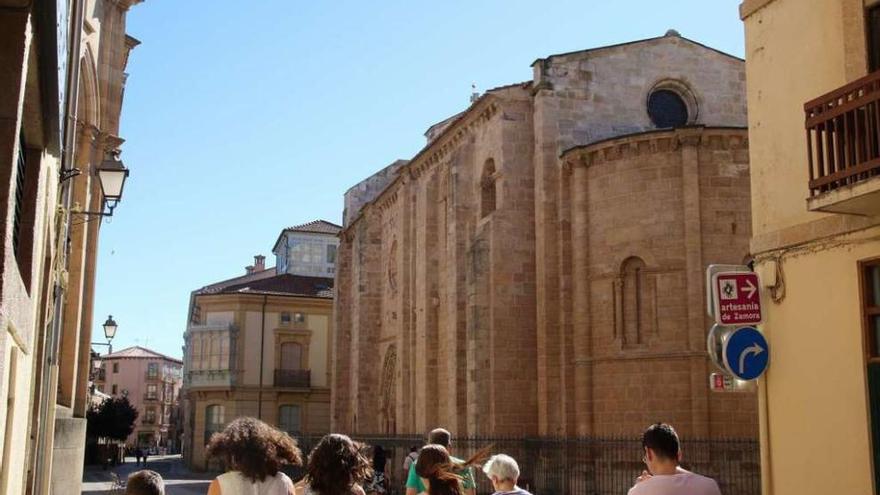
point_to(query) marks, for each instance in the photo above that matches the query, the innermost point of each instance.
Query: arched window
(667, 109)
(634, 291)
(291, 356)
(214, 420)
(289, 420)
(671, 103)
(487, 189)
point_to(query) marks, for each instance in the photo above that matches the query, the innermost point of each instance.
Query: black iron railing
(583, 466)
(293, 378)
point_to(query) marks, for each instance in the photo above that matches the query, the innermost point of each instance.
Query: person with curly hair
(440, 474)
(254, 452)
(336, 466)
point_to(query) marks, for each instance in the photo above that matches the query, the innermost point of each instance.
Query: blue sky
(241, 118)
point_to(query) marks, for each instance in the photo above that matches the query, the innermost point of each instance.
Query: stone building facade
(537, 269)
(62, 80)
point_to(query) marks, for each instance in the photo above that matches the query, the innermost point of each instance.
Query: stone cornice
(389, 196)
(721, 138)
(432, 154)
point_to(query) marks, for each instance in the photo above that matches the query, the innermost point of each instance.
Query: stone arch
(88, 103)
(388, 397)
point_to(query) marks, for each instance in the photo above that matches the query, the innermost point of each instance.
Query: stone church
(538, 267)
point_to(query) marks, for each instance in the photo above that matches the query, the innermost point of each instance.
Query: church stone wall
(490, 287)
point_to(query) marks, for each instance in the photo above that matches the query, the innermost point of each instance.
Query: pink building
(151, 381)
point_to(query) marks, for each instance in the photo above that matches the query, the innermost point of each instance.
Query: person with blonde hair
(442, 437)
(440, 474)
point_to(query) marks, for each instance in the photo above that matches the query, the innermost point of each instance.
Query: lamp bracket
(69, 173)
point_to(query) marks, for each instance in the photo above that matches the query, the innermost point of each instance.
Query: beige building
(816, 239)
(62, 80)
(537, 268)
(152, 382)
(259, 345)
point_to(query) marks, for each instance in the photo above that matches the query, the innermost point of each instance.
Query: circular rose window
(667, 109)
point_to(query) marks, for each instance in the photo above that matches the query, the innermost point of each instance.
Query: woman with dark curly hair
(255, 453)
(439, 473)
(336, 466)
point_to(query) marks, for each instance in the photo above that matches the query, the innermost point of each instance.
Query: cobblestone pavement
(178, 479)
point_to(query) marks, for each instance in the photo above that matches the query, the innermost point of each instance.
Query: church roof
(669, 34)
(285, 284)
(139, 352)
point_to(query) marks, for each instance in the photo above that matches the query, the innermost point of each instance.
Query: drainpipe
(262, 348)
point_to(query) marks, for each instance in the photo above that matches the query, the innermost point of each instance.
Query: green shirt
(414, 481)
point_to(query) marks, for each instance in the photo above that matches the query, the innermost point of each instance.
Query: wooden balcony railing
(293, 378)
(843, 135)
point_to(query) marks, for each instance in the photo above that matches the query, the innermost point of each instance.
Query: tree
(114, 419)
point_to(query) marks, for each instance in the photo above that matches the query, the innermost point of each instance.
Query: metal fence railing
(583, 466)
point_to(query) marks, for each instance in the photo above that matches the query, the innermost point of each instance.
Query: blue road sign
(746, 353)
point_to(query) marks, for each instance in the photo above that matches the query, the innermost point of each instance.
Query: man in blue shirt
(442, 437)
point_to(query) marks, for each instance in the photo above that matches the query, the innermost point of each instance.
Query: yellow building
(259, 345)
(814, 131)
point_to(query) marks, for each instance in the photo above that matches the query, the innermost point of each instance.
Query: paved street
(178, 479)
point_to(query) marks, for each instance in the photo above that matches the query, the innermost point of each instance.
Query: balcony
(210, 378)
(152, 376)
(293, 378)
(151, 397)
(843, 148)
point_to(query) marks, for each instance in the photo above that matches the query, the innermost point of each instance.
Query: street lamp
(110, 327)
(111, 175)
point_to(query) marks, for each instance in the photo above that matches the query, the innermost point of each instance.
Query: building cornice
(652, 142)
(749, 7)
(434, 153)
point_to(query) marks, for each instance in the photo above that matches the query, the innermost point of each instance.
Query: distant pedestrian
(503, 472)
(380, 464)
(664, 476)
(145, 482)
(440, 474)
(138, 454)
(336, 466)
(442, 437)
(255, 452)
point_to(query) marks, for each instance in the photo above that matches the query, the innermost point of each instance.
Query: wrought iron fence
(583, 466)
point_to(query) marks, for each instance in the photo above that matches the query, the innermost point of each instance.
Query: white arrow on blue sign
(746, 353)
